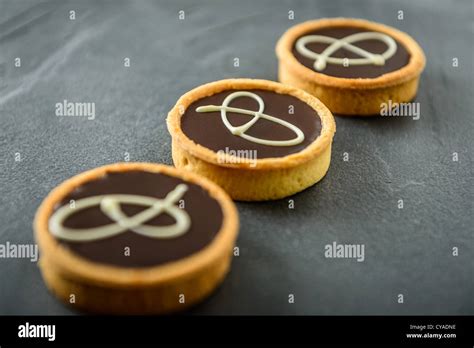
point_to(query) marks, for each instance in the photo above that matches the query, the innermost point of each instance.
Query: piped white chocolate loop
(321, 59)
(240, 130)
(110, 206)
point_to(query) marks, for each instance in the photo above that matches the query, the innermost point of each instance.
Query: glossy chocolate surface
(397, 61)
(208, 130)
(204, 211)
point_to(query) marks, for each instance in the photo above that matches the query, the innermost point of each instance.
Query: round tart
(257, 139)
(135, 238)
(352, 65)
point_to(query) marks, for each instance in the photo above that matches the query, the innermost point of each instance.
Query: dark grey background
(408, 251)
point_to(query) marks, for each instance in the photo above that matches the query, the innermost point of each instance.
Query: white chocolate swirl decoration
(322, 59)
(241, 130)
(110, 206)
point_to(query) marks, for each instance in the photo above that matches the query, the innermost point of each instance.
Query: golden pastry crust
(150, 290)
(351, 96)
(268, 178)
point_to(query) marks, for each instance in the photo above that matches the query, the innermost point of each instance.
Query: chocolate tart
(135, 238)
(257, 139)
(352, 65)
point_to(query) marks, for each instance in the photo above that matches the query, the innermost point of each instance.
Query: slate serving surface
(408, 251)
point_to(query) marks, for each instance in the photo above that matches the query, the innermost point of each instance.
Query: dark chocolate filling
(396, 62)
(204, 211)
(208, 130)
